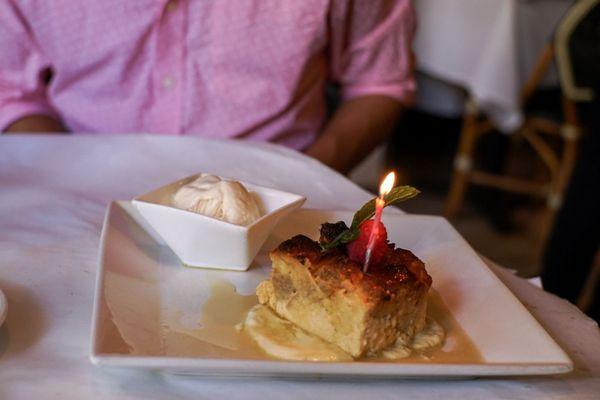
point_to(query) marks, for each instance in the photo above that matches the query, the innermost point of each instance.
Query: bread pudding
(326, 293)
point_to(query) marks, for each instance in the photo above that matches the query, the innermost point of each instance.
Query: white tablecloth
(53, 195)
(488, 47)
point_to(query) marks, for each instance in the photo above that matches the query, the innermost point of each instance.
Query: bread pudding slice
(328, 295)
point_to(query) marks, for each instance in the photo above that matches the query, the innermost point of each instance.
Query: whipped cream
(225, 200)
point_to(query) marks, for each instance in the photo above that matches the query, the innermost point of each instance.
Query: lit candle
(386, 186)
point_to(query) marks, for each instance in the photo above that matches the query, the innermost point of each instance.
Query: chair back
(577, 51)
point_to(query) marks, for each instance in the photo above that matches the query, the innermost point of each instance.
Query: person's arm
(24, 71)
(371, 62)
(355, 129)
(36, 124)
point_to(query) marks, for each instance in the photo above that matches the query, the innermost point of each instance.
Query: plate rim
(260, 368)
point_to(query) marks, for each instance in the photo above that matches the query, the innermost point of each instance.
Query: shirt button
(171, 5)
(167, 82)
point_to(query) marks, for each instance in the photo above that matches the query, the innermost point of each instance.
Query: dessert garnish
(369, 238)
(367, 211)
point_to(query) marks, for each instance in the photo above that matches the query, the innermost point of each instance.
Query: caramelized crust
(400, 268)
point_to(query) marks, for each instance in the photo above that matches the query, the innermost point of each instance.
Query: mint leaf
(397, 194)
(347, 236)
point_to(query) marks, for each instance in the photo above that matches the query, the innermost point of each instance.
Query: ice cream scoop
(214, 197)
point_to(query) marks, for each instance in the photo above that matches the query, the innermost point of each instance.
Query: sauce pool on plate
(222, 334)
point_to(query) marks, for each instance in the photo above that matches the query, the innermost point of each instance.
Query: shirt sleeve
(22, 69)
(370, 48)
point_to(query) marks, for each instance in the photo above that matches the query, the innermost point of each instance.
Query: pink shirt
(218, 68)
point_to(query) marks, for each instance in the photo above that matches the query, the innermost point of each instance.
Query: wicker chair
(535, 130)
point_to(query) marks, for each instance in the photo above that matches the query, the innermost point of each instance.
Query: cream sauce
(430, 337)
(232, 327)
(218, 334)
(280, 338)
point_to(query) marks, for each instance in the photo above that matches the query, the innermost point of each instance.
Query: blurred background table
(53, 195)
(484, 49)
(478, 49)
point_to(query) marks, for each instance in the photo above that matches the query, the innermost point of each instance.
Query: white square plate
(142, 291)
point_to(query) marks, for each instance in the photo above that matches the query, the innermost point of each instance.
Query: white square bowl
(201, 241)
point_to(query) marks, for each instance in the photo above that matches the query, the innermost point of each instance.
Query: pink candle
(386, 186)
(379, 204)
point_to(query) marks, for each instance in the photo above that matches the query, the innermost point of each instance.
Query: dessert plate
(152, 313)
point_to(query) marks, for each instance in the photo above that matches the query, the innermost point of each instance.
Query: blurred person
(247, 69)
(575, 239)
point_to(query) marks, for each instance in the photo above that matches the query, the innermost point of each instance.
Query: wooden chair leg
(463, 160)
(540, 69)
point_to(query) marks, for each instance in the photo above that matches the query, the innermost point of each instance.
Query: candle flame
(388, 184)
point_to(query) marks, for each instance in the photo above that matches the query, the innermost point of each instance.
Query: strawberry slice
(357, 249)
